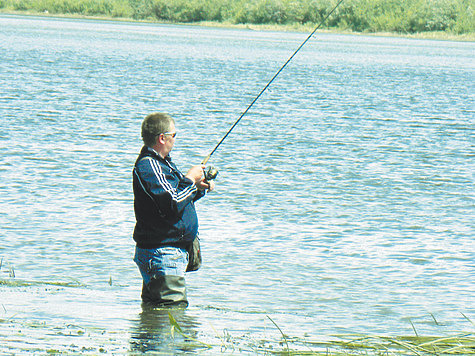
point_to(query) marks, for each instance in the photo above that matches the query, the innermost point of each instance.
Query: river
(344, 202)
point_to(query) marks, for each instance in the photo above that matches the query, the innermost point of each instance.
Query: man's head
(158, 132)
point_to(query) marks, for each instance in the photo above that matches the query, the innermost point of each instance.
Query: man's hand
(203, 184)
(196, 173)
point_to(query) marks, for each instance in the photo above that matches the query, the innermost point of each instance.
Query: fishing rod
(213, 172)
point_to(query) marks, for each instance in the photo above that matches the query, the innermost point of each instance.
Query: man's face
(169, 138)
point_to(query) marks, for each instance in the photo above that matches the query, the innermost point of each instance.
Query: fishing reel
(211, 173)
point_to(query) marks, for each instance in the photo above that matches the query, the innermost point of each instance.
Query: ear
(160, 139)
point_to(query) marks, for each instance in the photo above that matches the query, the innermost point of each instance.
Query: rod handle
(206, 159)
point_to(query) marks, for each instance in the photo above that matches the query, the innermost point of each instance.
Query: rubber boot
(165, 291)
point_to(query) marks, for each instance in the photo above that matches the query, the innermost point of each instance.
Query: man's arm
(170, 194)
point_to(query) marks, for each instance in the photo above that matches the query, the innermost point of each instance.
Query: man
(165, 212)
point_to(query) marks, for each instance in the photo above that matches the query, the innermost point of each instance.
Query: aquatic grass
(283, 335)
(467, 318)
(345, 344)
(25, 283)
(176, 327)
(413, 327)
(223, 341)
(463, 344)
(10, 270)
(8, 319)
(435, 320)
(381, 345)
(252, 344)
(13, 282)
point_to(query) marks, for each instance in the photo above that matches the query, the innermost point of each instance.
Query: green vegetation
(352, 344)
(401, 16)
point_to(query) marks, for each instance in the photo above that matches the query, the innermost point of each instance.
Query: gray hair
(154, 125)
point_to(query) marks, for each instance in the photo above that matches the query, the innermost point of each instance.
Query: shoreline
(438, 35)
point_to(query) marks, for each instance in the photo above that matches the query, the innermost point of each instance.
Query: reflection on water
(152, 331)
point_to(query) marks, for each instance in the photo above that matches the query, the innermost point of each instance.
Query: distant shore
(432, 35)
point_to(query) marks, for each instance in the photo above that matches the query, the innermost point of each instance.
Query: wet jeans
(163, 270)
(162, 261)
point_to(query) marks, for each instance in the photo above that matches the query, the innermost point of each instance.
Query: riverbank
(432, 35)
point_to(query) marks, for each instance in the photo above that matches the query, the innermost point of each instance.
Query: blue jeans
(162, 261)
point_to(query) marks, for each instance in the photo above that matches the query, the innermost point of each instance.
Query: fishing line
(270, 82)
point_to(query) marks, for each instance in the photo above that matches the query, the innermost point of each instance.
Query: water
(344, 202)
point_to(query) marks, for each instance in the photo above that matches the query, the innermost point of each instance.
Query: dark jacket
(163, 202)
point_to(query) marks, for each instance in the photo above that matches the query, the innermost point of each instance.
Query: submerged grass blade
(223, 344)
(435, 320)
(444, 340)
(467, 318)
(414, 328)
(176, 326)
(406, 346)
(7, 320)
(285, 339)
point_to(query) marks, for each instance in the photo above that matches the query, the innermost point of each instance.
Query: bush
(465, 22)
(406, 16)
(187, 11)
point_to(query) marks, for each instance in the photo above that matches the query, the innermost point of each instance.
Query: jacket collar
(148, 151)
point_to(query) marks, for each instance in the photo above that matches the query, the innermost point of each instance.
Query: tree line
(402, 16)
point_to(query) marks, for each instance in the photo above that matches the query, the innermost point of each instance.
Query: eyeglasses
(172, 134)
